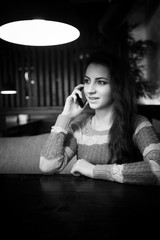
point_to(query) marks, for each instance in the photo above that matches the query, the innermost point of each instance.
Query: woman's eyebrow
(100, 78)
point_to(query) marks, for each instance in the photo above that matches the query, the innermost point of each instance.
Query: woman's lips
(92, 99)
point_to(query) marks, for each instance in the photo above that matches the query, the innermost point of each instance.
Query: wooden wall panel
(40, 81)
(43, 76)
(34, 80)
(66, 77)
(16, 73)
(59, 77)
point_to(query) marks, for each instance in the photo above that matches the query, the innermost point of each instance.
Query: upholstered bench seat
(21, 154)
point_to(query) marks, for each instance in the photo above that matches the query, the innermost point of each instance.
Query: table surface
(67, 207)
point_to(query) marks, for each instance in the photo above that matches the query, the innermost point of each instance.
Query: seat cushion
(21, 154)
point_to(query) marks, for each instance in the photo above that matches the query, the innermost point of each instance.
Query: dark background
(55, 70)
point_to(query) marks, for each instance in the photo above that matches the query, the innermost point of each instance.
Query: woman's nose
(91, 88)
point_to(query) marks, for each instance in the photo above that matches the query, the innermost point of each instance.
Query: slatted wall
(43, 76)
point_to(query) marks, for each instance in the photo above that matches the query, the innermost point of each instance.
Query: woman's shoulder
(141, 118)
(141, 121)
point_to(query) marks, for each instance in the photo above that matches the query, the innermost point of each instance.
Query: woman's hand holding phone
(75, 103)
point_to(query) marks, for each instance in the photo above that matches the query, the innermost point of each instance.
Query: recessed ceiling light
(8, 92)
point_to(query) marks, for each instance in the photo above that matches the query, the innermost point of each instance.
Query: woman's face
(97, 86)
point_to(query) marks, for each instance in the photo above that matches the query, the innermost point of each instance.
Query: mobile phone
(81, 101)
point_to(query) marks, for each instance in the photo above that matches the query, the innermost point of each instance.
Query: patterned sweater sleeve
(59, 148)
(146, 172)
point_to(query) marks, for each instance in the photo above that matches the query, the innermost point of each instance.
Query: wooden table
(67, 207)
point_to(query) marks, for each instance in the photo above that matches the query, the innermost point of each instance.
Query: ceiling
(103, 16)
(85, 14)
(62, 10)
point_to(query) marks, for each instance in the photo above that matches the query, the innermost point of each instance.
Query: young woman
(114, 143)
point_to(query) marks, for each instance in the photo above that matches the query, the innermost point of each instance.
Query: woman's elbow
(155, 167)
(50, 166)
(45, 165)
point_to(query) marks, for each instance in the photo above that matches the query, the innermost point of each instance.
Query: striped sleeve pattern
(59, 148)
(145, 137)
(147, 171)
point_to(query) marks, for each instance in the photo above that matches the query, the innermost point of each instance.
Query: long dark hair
(124, 92)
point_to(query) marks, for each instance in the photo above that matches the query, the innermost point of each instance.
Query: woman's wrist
(65, 113)
(68, 115)
(63, 121)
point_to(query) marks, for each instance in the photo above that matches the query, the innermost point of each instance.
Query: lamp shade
(38, 32)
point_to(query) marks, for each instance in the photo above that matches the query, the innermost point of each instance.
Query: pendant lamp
(38, 32)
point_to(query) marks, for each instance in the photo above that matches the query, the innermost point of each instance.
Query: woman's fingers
(74, 94)
(79, 87)
(75, 171)
(77, 90)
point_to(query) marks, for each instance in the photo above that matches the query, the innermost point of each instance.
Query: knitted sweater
(68, 139)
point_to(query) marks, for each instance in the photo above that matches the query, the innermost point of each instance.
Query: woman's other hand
(82, 167)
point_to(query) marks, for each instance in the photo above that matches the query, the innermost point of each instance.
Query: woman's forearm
(141, 173)
(57, 150)
(133, 173)
(51, 157)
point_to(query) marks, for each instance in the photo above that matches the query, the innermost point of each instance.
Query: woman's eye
(86, 81)
(102, 82)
